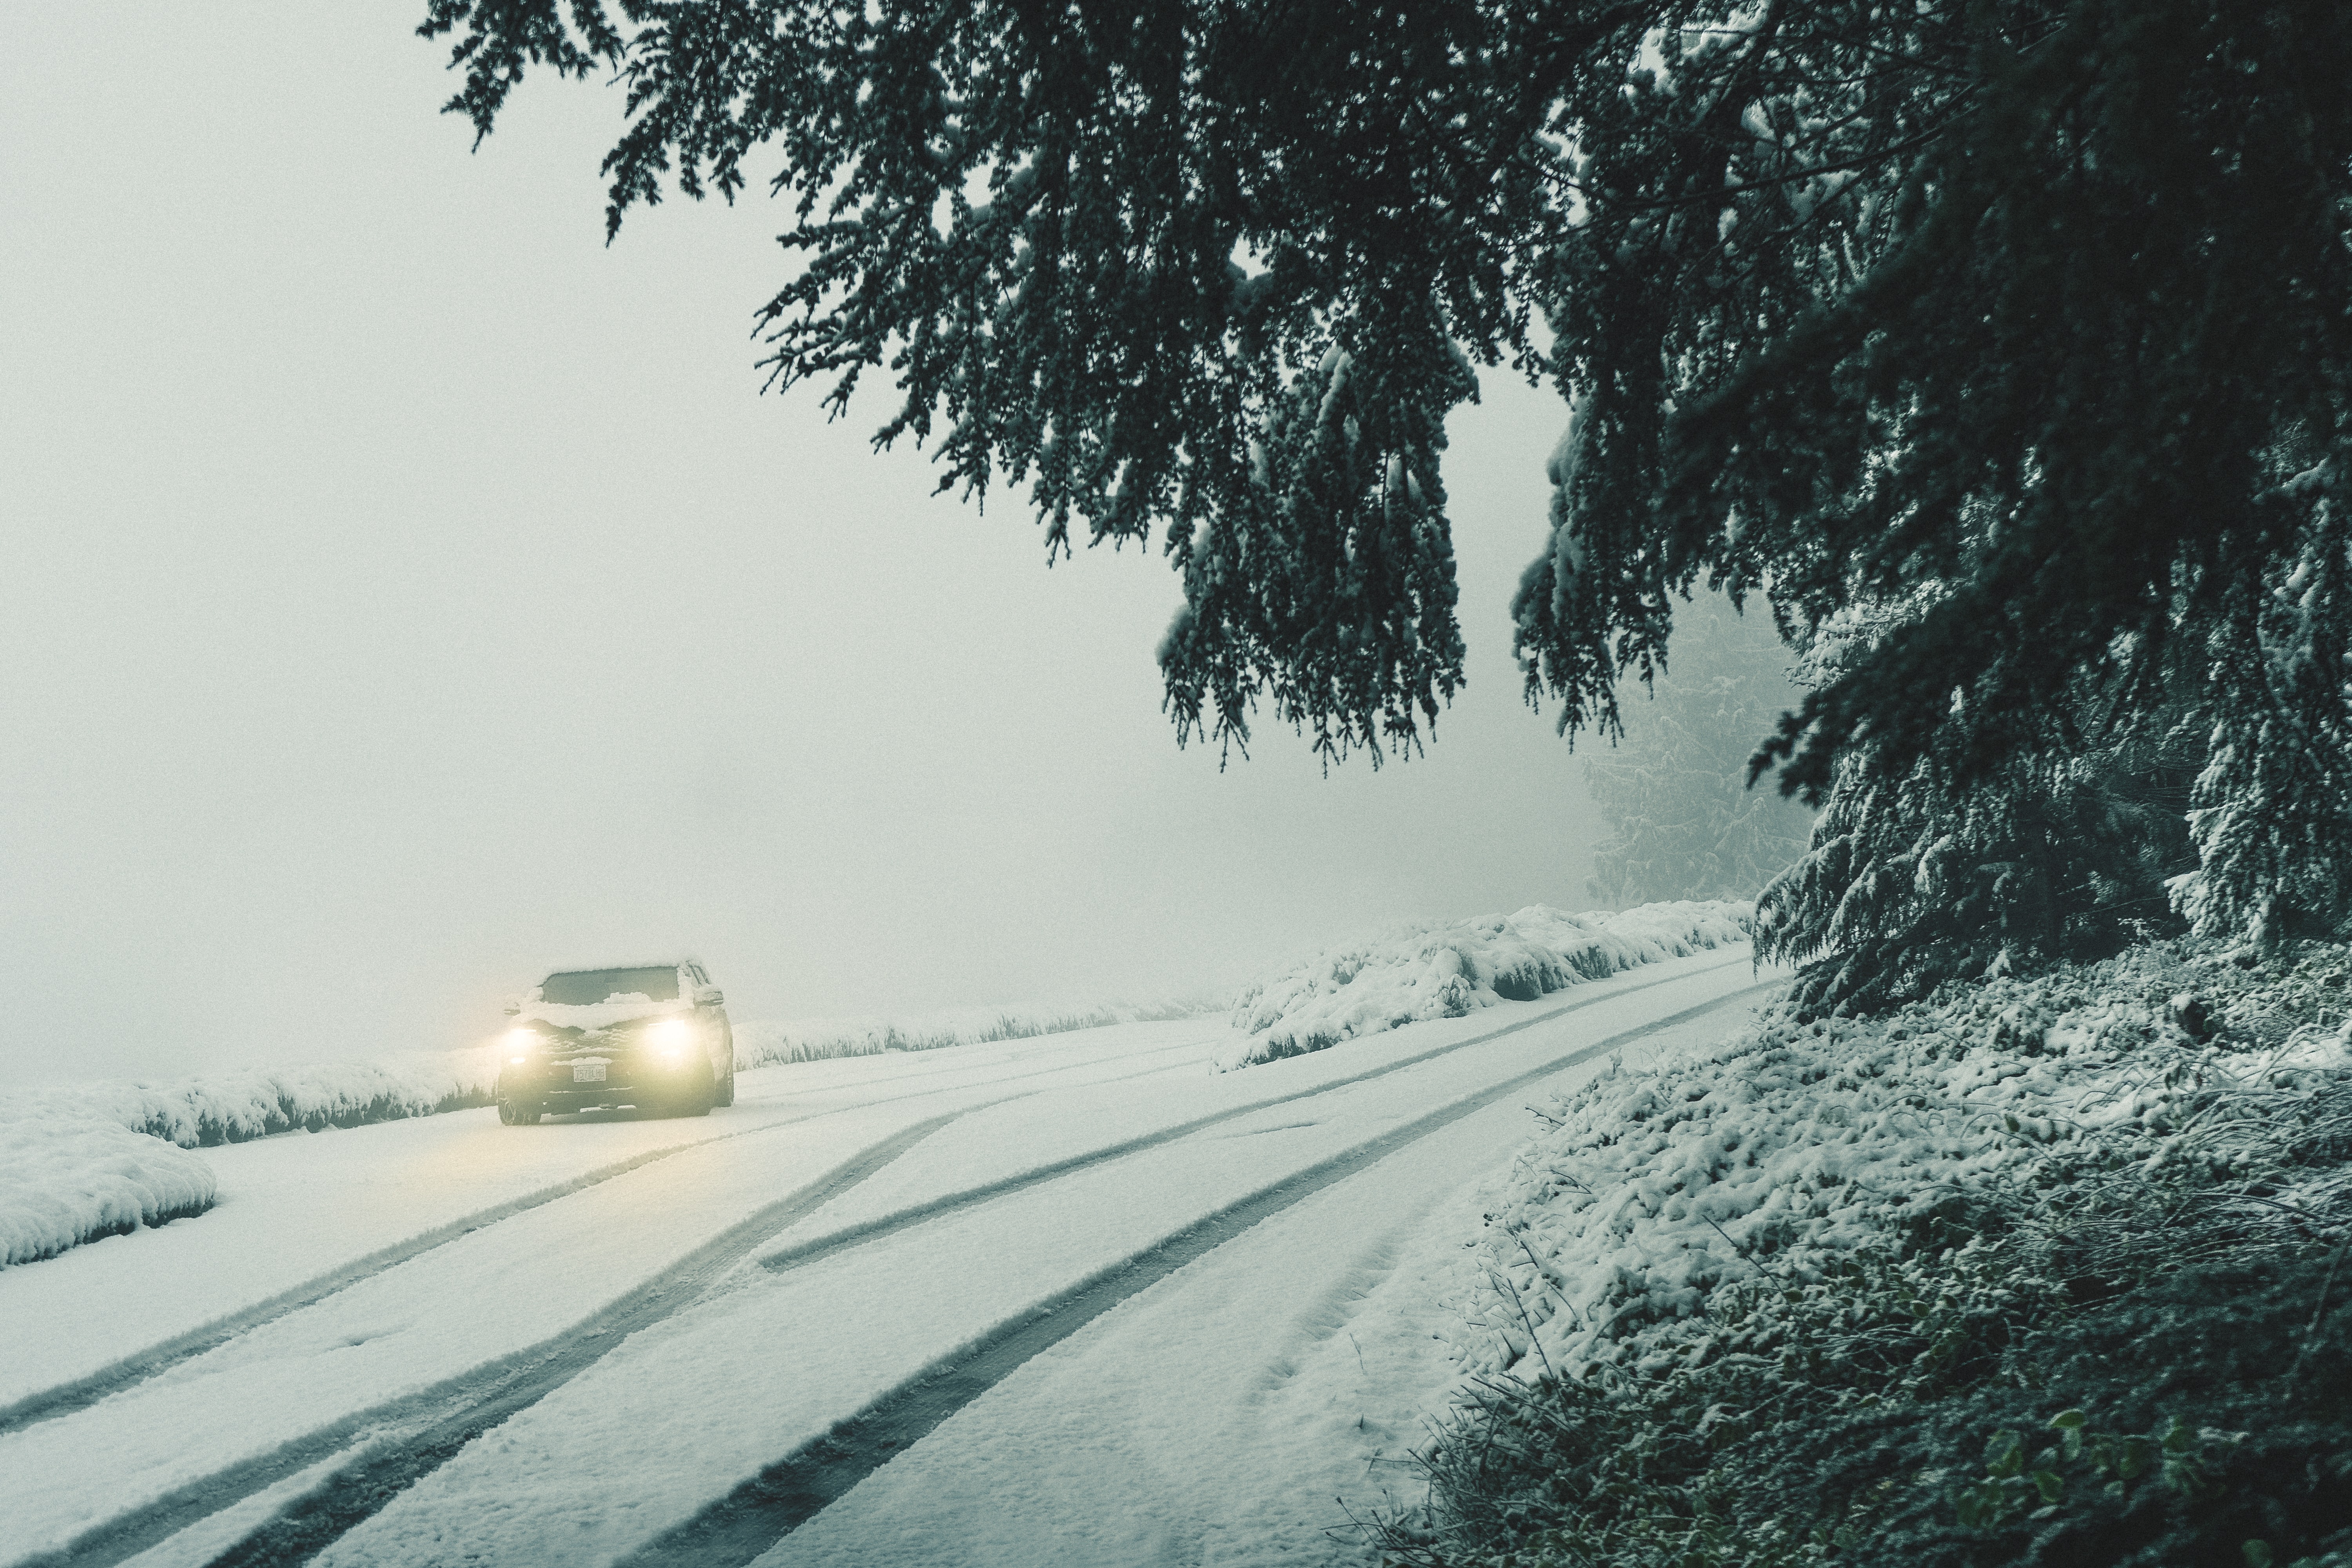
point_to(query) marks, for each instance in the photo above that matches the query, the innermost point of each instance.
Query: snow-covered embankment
(1805, 1141)
(85, 1161)
(1445, 968)
(764, 1043)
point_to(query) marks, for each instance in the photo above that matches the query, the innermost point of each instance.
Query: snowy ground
(1090, 1300)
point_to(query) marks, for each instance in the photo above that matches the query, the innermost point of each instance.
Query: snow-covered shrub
(68, 1178)
(1796, 1144)
(1771, 1304)
(1445, 968)
(819, 1039)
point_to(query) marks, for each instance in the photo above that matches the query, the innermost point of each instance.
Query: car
(654, 1035)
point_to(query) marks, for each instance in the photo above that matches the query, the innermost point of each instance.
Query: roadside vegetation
(823, 1040)
(2046, 1271)
(1448, 969)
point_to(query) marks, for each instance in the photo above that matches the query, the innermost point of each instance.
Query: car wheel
(704, 1094)
(514, 1115)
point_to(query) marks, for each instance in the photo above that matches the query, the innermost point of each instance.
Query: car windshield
(586, 987)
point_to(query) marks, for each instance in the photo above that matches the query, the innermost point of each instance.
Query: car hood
(595, 1015)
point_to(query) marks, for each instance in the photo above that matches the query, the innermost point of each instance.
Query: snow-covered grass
(819, 1039)
(1798, 1142)
(68, 1178)
(232, 1107)
(1443, 968)
(1917, 1228)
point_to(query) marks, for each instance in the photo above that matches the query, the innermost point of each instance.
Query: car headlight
(671, 1035)
(521, 1043)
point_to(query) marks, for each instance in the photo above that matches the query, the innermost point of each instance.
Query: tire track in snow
(397, 1435)
(408, 1438)
(917, 1213)
(748, 1521)
(82, 1393)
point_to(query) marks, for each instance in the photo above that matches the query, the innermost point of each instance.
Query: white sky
(404, 593)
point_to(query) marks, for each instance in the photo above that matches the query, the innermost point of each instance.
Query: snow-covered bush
(231, 1107)
(1443, 968)
(1795, 1143)
(68, 1178)
(818, 1039)
(1772, 1303)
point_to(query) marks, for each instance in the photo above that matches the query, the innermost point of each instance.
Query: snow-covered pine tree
(1684, 823)
(1914, 881)
(2040, 303)
(2272, 808)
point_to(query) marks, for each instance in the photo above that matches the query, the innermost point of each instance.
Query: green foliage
(1913, 883)
(1790, 1456)
(1656, 1466)
(1933, 877)
(2011, 1489)
(2170, 1275)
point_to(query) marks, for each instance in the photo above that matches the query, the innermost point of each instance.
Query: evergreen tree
(2037, 302)
(1684, 824)
(1931, 877)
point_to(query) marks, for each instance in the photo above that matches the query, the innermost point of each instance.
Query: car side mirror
(708, 996)
(512, 1007)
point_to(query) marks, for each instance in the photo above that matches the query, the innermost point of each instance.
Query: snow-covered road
(1070, 1300)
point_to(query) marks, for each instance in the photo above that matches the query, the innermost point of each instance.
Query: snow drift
(1445, 968)
(71, 1177)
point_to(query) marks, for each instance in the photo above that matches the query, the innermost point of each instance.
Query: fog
(407, 592)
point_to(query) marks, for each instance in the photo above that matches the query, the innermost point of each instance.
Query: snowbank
(818, 1039)
(1794, 1142)
(98, 1159)
(68, 1178)
(1443, 968)
(231, 1107)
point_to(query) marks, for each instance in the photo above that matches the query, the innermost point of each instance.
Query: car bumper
(556, 1089)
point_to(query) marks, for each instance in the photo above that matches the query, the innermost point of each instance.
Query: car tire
(726, 1095)
(511, 1114)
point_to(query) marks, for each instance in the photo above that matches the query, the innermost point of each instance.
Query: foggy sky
(406, 592)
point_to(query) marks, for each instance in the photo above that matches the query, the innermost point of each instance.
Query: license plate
(587, 1072)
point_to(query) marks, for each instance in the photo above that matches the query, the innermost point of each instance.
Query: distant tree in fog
(2025, 316)
(1684, 823)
